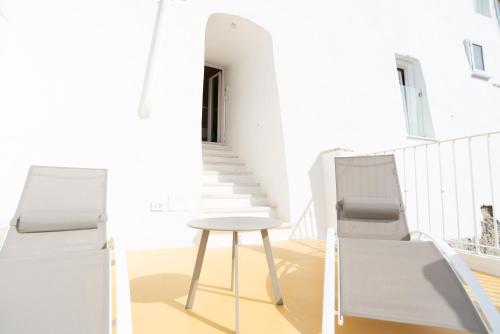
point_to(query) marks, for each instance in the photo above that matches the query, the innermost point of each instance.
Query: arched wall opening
(252, 124)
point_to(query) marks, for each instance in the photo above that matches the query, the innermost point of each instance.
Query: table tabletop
(235, 223)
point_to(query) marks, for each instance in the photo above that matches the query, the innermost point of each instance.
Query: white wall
(253, 115)
(72, 73)
(71, 78)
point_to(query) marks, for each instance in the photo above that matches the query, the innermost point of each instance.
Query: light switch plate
(156, 206)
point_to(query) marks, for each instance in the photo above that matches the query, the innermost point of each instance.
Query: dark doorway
(401, 75)
(211, 113)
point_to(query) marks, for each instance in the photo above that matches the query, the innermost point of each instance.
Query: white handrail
(433, 141)
(489, 310)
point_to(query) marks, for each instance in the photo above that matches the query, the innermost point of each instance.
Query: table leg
(236, 285)
(272, 269)
(197, 269)
(232, 261)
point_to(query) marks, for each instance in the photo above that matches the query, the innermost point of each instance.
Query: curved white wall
(253, 114)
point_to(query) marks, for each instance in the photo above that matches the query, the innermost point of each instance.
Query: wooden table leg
(197, 269)
(272, 269)
(236, 285)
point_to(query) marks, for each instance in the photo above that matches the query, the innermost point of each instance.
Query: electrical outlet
(156, 206)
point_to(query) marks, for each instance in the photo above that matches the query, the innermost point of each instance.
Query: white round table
(235, 225)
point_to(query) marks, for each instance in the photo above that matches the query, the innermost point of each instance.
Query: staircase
(229, 189)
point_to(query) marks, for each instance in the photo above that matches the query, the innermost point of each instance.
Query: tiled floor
(159, 282)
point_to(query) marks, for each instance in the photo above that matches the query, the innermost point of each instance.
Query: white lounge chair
(382, 273)
(55, 263)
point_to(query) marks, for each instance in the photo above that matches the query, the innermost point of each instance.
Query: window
(497, 7)
(475, 55)
(415, 105)
(482, 7)
(401, 75)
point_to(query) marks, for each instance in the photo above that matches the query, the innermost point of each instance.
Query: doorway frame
(221, 117)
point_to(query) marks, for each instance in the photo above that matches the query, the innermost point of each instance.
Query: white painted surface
(230, 196)
(237, 224)
(328, 317)
(253, 114)
(123, 300)
(72, 74)
(485, 264)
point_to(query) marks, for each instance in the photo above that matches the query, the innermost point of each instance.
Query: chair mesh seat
(403, 281)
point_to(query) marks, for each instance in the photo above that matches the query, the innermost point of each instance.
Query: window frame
(496, 4)
(477, 72)
(475, 66)
(489, 14)
(413, 79)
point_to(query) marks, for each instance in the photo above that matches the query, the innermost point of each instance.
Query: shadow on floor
(166, 288)
(300, 276)
(300, 273)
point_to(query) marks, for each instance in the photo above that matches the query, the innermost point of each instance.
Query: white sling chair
(382, 273)
(55, 264)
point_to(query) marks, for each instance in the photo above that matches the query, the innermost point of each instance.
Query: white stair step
(215, 176)
(231, 188)
(218, 153)
(221, 159)
(213, 143)
(233, 162)
(258, 211)
(232, 201)
(224, 167)
(215, 146)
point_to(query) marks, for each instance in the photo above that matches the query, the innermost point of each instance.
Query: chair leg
(236, 285)
(197, 269)
(272, 269)
(232, 260)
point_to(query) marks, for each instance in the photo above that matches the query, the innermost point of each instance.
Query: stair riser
(231, 190)
(224, 168)
(215, 147)
(233, 202)
(220, 159)
(226, 153)
(265, 214)
(227, 178)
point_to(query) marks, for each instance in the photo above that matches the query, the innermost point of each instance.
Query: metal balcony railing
(451, 188)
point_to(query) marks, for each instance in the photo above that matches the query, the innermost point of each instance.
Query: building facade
(135, 86)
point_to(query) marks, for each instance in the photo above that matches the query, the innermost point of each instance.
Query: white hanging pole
(144, 106)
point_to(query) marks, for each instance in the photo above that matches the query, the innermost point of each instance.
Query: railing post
(404, 176)
(457, 208)
(492, 194)
(441, 190)
(473, 197)
(416, 185)
(428, 187)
